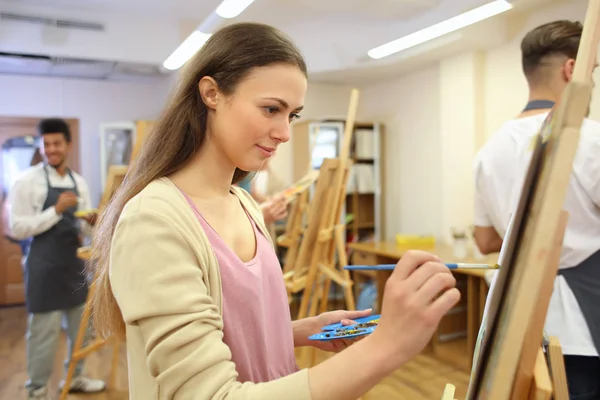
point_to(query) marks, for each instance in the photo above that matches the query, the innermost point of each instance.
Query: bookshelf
(313, 141)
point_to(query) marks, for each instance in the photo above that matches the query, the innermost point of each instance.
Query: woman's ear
(209, 91)
(568, 69)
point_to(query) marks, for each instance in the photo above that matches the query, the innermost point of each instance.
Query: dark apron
(584, 281)
(54, 275)
(538, 105)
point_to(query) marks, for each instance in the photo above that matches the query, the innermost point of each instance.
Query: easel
(295, 278)
(116, 174)
(293, 231)
(510, 363)
(326, 212)
(548, 381)
(315, 266)
(142, 130)
(297, 195)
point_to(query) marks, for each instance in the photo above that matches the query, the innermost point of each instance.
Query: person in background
(187, 273)
(266, 189)
(42, 201)
(265, 183)
(259, 185)
(549, 55)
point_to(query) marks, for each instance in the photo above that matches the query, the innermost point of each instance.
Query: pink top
(257, 323)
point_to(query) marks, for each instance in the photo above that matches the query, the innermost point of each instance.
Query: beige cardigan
(166, 280)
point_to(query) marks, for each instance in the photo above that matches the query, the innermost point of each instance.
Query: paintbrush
(449, 265)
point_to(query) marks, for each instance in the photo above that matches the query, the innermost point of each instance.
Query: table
(373, 253)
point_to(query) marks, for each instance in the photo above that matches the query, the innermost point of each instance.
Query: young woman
(187, 272)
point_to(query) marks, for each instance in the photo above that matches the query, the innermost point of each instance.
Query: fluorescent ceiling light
(232, 8)
(443, 28)
(186, 50)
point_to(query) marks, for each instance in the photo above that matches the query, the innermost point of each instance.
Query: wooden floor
(422, 378)
(13, 372)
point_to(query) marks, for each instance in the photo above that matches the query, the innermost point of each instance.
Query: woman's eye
(271, 110)
(294, 116)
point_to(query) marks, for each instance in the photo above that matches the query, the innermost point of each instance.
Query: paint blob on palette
(344, 333)
(371, 318)
(363, 326)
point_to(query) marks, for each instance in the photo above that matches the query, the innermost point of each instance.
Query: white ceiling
(334, 35)
(156, 8)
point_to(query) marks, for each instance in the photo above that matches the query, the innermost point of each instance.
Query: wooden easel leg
(557, 370)
(541, 387)
(311, 352)
(533, 339)
(311, 281)
(81, 334)
(343, 259)
(80, 352)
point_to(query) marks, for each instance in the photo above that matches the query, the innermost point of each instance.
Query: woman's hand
(274, 209)
(309, 326)
(420, 291)
(417, 295)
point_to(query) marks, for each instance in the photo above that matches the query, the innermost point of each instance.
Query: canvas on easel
(511, 332)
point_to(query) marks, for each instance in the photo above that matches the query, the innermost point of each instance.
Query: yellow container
(415, 240)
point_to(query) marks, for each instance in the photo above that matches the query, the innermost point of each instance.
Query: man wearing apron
(42, 203)
(548, 55)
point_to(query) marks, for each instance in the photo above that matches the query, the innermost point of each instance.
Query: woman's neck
(207, 175)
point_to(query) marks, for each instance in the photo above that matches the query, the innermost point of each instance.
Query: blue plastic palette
(339, 325)
(341, 334)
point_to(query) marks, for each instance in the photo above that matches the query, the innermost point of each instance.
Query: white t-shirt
(28, 194)
(500, 167)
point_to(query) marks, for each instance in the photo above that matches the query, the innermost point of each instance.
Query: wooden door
(11, 273)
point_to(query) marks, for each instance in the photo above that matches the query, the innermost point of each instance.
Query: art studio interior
(311, 200)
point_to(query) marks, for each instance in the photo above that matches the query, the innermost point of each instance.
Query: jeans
(43, 332)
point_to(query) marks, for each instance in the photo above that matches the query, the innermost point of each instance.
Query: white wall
(461, 106)
(92, 102)
(409, 109)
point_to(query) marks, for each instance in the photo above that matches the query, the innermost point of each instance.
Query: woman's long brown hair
(227, 57)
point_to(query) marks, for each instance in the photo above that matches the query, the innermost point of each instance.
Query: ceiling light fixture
(232, 8)
(186, 50)
(440, 29)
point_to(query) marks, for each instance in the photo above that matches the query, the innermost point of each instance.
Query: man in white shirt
(43, 201)
(548, 57)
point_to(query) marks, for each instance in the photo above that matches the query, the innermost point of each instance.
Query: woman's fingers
(424, 273)
(443, 304)
(433, 286)
(410, 261)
